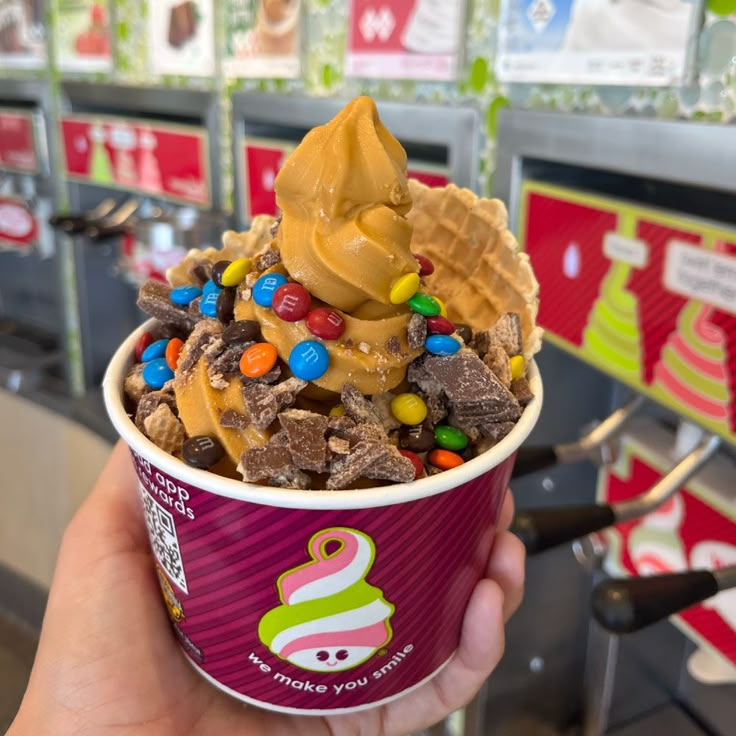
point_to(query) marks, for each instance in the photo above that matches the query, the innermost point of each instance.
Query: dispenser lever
(623, 606)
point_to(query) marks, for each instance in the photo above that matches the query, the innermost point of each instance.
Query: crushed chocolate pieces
(287, 391)
(232, 419)
(417, 331)
(522, 391)
(436, 407)
(265, 463)
(307, 443)
(382, 404)
(150, 402)
(393, 466)
(203, 333)
(348, 468)
(292, 478)
(340, 425)
(393, 346)
(506, 333)
(276, 223)
(201, 272)
(241, 331)
(338, 446)
(261, 404)
(270, 257)
(497, 430)
(134, 384)
(357, 407)
(154, 299)
(365, 433)
(225, 365)
(271, 377)
(497, 360)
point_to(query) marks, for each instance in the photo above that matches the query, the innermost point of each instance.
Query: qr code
(164, 542)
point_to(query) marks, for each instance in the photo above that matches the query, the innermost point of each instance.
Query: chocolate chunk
(268, 258)
(366, 433)
(275, 226)
(154, 299)
(244, 330)
(521, 390)
(357, 407)
(217, 270)
(287, 391)
(496, 430)
(307, 443)
(393, 345)
(338, 446)
(506, 333)
(201, 272)
(347, 468)
(497, 360)
(203, 333)
(149, 403)
(436, 407)
(382, 404)
(340, 425)
(134, 385)
(225, 305)
(202, 451)
(268, 378)
(225, 366)
(261, 404)
(417, 331)
(234, 419)
(264, 463)
(417, 438)
(292, 478)
(194, 308)
(394, 466)
(464, 331)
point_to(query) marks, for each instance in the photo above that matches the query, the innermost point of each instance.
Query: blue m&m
(208, 305)
(183, 295)
(157, 372)
(442, 345)
(209, 287)
(154, 350)
(309, 360)
(264, 288)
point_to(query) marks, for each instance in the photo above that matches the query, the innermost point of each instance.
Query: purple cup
(316, 602)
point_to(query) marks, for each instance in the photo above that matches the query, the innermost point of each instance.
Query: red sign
(262, 161)
(163, 160)
(18, 226)
(685, 533)
(17, 144)
(427, 176)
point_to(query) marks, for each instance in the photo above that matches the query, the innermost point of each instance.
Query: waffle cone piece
(479, 273)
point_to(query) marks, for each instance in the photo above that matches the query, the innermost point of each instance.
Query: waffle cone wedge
(165, 430)
(480, 274)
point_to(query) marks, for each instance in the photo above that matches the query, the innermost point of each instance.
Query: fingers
(506, 568)
(507, 511)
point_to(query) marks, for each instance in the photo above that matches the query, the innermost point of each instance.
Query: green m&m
(450, 438)
(424, 304)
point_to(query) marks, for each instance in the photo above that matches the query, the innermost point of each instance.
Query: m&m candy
(517, 366)
(442, 345)
(291, 302)
(416, 461)
(154, 350)
(450, 438)
(337, 411)
(404, 288)
(424, 304)
(217, 270)
(309, 360)
(409, 408)
(209, 287)
(208, 305)
(258, 360)
(444, 459)
(173, 349)
(426, 267)
(143, 342)
(235, 272)
(440, 326)
(265, 288)
(157, 372)
(183, 295)
(325, 323)
(443, 309)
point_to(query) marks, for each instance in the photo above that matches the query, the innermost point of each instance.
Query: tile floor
(17, 649)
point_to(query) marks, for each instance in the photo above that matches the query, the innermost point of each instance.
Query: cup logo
(331, 619)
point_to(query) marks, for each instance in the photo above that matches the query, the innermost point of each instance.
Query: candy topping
(450, 438)
(517, 366)
(154, 350)
(417, 438)
(442, 345)
(424, 304)
(416, 461)
(202, 451)
(440, 326)
(208, 305)
(156, 373)
(173, 349)
(426, 267)
(444, 459)
(258, 360)
(404, 288)
(409, 409)
(209, 287)
(265, 287)
(337, 411)
(291, 302)
(183, 295)
(325, 323)
(309, 360)
(235, 272)
(143, 342)
(217, 270)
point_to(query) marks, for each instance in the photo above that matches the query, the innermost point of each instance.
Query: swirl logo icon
(331, 618)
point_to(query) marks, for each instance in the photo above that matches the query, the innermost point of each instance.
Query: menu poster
(262, 160)
(263, 38)
(18, 227)
(405, 39)
(616, 42)
(17, 142)
(181, 37)
(84, 36)
(22, 35)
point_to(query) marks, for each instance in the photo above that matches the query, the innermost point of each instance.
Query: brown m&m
(202, 452)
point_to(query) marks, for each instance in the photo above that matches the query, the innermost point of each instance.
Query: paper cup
(316, 602)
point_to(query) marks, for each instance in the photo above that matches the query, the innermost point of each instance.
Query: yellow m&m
(236, 272)
(409, 409)
(443, 308)
(517, 366)
(404, 288)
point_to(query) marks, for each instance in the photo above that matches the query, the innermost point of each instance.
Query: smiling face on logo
(331, 659)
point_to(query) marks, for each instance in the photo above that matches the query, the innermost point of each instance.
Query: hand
(108, 662)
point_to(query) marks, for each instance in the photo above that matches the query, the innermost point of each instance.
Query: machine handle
(531, 459)
(102, 232)
(623, 606)
(542, 529)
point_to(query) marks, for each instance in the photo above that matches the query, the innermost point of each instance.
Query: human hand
(108, 662)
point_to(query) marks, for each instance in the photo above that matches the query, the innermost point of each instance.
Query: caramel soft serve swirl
(344, 195)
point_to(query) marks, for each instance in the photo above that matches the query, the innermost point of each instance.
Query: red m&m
(416, 461)
(291, 302)
(325, 323)
(143, 342)
(439, 326)
(426, 267)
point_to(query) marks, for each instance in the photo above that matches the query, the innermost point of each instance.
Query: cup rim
(397, 493)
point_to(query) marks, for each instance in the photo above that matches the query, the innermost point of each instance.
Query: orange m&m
(258, 360)
(173, 349)
(444, 459)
